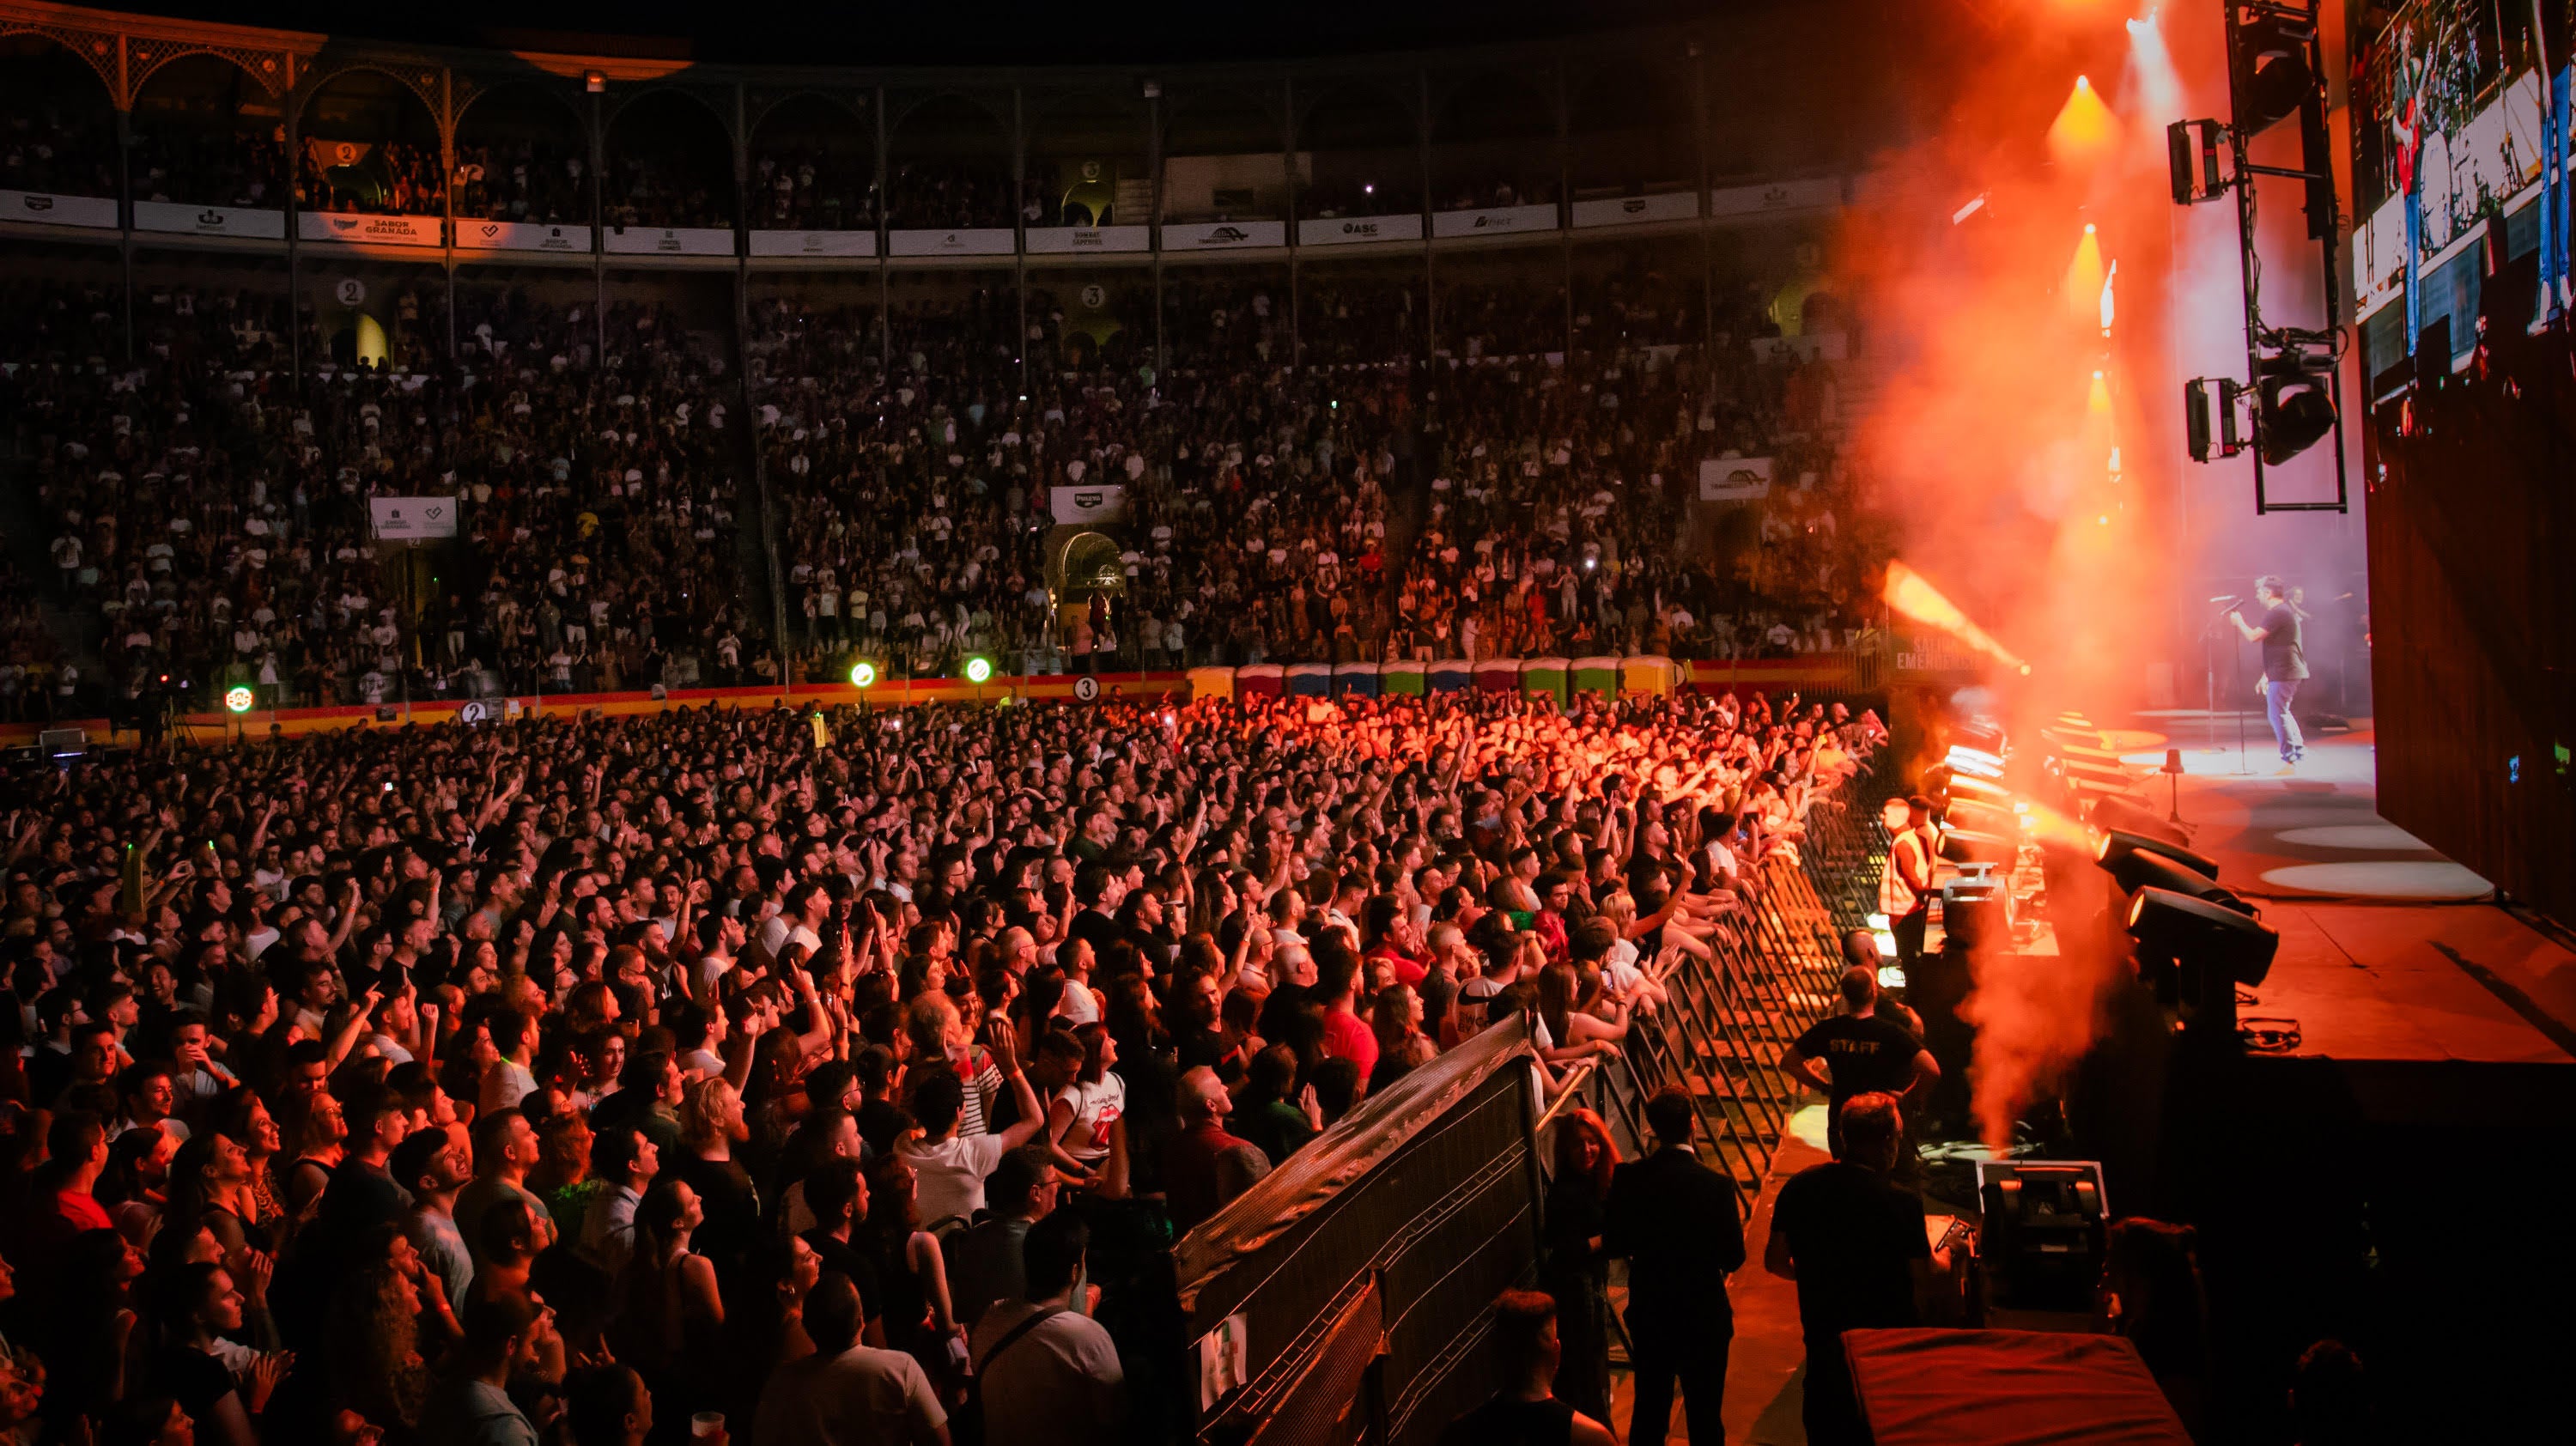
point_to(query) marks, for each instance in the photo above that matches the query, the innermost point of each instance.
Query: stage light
(2136, 872)
(2084, 126)
(2183, 140)
(1974, 763)
(2206, 414)
(979, 671)
(863, 674)
(2083, 281)
(237, 698)
(1975, 204)
(1974, 846)
(2295, 408)
(1908, 592)
(2270, 73)
(2118, 843)
(2172, 928)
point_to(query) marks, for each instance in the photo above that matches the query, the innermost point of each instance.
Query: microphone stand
(2237, 671)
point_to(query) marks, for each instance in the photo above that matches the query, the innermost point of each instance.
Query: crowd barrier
(1561, 680)
(1348, 1298)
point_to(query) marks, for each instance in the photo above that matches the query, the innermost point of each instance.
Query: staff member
(2285, 663)
(1905, 889)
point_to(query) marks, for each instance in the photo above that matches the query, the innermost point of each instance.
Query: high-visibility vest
(1896, 898)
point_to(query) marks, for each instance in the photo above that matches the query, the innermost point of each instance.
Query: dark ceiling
(994, 32)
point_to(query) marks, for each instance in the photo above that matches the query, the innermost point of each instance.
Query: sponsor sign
(412, 519)
(1224, 235)
(1089, 506)
(971, 241)
(1351, 230)
(334, 227)
(1822, 193)
(669, 241)
(813, 243)
(45, 208)
(1065, 240)
(1503, 219)
(521, 236)
(1734, 479)
(1626, 210)
(209, 220)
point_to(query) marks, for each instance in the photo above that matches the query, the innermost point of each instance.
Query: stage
(2396, 963)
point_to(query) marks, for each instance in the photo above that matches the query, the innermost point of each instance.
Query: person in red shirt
(1391, 941)
(1346, 1035)
(77, 1144)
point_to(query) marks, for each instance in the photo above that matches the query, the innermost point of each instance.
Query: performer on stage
(2285, 663)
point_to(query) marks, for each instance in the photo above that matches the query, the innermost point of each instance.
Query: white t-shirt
(859, 1395)
(1096, 1106)
(952, 1173)
(1058, 1385)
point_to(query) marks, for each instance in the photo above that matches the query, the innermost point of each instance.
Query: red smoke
(2023, 452)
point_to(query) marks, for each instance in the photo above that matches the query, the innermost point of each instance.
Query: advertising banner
(985, 241)
(1822, 193)
(1088, 506)
(1734, 479)
(1351, 230)
(209, 220)
(1066, 240)
(412, 519)
(1225, 235)
(1501, 219)
(669, 241)
(1624, 210)
(813, 243)
(47, 209)
(521, 236)
(349, 229)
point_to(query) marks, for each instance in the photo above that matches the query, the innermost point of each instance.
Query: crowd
(602, 1075)
(1504, 496)
(539, 182)
(942, 196)
(213, 525)
(392, 178)
(208, 165)
(63, 149)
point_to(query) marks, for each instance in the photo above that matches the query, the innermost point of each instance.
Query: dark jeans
(1830, 1411)
(1692, 1358)
(1908, 930)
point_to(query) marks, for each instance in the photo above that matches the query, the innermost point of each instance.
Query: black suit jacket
(1674, 1220)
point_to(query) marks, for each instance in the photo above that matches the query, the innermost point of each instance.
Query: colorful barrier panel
(1597, 676)
(1261, 680)
(1450, 675)
(1309, 680)
(1359, 678)
(1646, 673)
(1544, 678)
(1498, 675)
(1211, 683)
(1404, 680)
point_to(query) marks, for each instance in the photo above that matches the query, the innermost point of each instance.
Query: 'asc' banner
(1734, 479)
(1623, 210)
(97, 212)
(209, 220)
(1351, 230)
(349, 228)
(412, 519)
(1087, 505)
(521, 236)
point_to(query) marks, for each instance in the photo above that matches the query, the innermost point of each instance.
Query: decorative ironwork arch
(616, 111)
(763, 104)
(274, 70)
(95, 48)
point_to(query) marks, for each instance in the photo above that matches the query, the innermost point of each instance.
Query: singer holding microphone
(2285, 664)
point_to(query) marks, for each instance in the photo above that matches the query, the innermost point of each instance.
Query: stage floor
(2394, 960)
